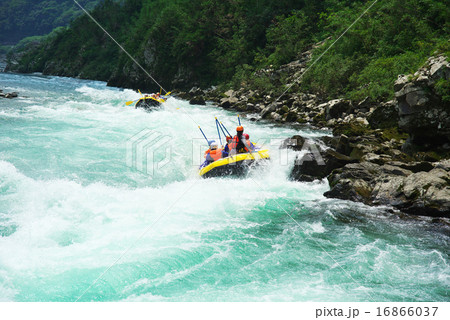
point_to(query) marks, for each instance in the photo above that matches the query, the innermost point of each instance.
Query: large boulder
(336, 108)
(267, 111)
(423, 113)
(8, 95)
(198, 99)
(227, 103)
(317, 165)
(384, 116)
(412, 191)
(295, 143)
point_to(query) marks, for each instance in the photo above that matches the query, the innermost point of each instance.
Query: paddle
(131, 102)
(207, 141)
(218, 132)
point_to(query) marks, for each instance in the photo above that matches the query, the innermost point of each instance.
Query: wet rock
(197, 100)
(9, 95)
(268, 110)
(318, 165)
(295, 143)
(352, 182)
(418, 193)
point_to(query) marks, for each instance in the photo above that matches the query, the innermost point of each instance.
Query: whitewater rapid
(70, 206)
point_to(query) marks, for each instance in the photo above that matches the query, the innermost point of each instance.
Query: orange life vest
(214, 154)
(233, 144)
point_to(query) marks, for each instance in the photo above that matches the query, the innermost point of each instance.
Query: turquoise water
(71, 206)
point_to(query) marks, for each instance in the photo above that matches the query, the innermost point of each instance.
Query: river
(81, 218)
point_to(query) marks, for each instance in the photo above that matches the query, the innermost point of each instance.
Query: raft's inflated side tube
(236, 165)
(148, 103)
(237, 169)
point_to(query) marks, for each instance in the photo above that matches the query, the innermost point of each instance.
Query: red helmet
(229, 138)
(240, 128)
(246, 136)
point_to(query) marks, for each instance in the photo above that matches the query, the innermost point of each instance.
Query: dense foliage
(25, 18)
(203, 42)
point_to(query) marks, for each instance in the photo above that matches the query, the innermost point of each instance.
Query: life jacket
(213, 155)
(239, 145)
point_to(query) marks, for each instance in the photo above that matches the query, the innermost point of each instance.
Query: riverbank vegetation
(196, 42)
(26, 18)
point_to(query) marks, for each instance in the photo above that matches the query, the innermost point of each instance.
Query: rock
(418, 193)
(422, 111)
(384, 116)
(352, 182)
(350, 129)
(318, 165)
(195, 91)
(197, 100)
(376, 158)
(439, 68)
(427, 193)
(230, 93)
(268, 110)
(251, 107)
(336, 108)
(291, 116)
(364, 105)
(343, 145)
(443, 164)
(227, 103)
(9, 95)
(414, 166)
(295, 143)
(275, 116)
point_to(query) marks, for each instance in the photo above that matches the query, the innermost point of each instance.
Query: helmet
(246, 136)
(211, 141)
(213, 146)
(229, 138)
(240, 128)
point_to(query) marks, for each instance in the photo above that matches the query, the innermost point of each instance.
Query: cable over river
(74, 202)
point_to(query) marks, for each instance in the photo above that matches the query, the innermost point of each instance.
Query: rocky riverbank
(395, 153)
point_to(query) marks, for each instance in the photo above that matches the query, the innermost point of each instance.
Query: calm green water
(70, 206)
